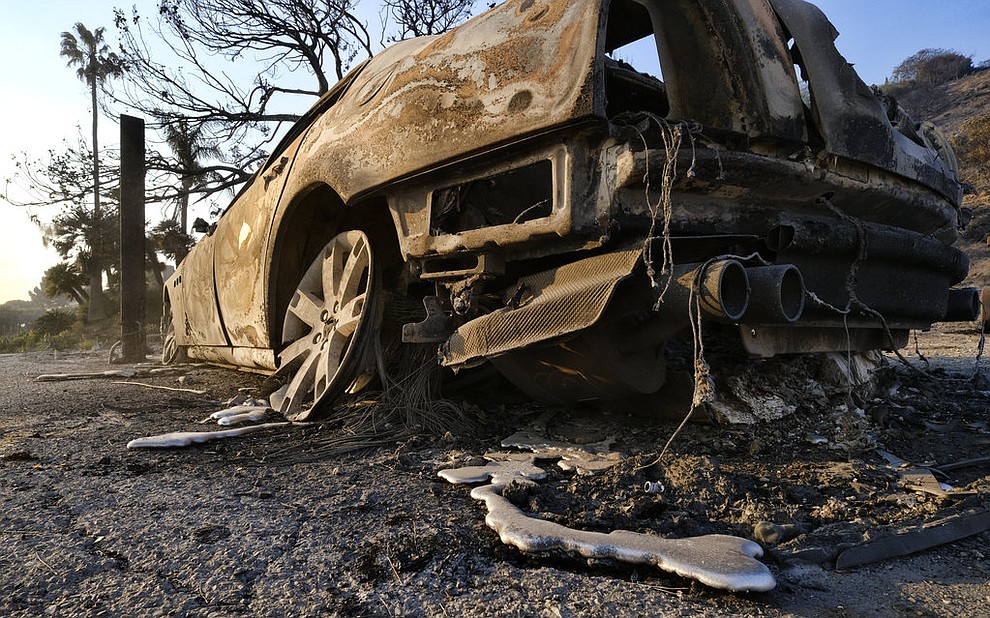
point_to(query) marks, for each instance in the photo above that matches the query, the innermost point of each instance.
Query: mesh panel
(556, 302)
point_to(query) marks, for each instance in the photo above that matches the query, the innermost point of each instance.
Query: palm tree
(63, 279)
(189, 148)
(87, 51)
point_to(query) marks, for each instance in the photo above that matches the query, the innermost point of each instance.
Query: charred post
(132, 238)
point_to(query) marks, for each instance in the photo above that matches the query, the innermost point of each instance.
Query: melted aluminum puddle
(248, 411)
(584, 459)
(716, 560)
(186, 438)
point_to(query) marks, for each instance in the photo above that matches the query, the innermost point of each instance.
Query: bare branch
(417, 18)
(180, 68)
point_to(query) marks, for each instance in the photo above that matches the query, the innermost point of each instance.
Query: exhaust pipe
(777, 295)
(721, 288)
(963, 305)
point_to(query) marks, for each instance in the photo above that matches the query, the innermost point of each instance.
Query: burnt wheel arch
(172, 352)
(311, 220)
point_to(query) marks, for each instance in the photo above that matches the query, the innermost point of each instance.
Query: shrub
(974, 135)
(932, 67)
(54, 321)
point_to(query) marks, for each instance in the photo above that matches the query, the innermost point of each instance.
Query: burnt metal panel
(521, 68)
(849, 115)
(726, 65)
(767, 340)
(555, 302)
(413, 203)
(257, 360)
(729, 184)
(194, 302)
(243, 237)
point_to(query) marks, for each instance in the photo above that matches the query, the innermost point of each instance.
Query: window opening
(633, 75)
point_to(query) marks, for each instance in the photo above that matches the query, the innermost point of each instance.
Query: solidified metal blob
(569, 460)
(246, 412)
(532, 439)
(501, 473)
(185, 438)
(126, 372)
(716, 560)
(584, 459)
(588, 465)
(249, 415)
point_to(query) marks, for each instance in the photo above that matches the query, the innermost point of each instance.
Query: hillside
(953, 104)
(961, 99)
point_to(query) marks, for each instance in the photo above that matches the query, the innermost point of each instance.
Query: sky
(42, 102)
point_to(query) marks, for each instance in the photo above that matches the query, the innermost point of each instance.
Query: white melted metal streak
(244, 413)
(716, 560)
(501, 473)
(186, 438)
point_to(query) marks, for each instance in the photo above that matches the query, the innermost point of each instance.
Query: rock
(768, 533)
(771, 534)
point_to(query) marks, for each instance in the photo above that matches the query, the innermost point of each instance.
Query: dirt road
(280, 523)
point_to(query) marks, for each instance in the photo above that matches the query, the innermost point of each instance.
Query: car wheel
(172, 352)
(331, 317)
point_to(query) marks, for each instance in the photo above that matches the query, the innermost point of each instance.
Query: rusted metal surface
(523, 67)
(777, 295)
(243, 235)
(193, 299)
(413, 206)
(748, 86)
(554, 207)
(766, 341)
(549, 304)
(849, 115)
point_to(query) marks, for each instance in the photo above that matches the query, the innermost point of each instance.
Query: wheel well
(310, 221)
(166, 309)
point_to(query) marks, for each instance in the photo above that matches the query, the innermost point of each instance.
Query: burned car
(515, 191)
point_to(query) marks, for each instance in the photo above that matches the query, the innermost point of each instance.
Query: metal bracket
(435, 328)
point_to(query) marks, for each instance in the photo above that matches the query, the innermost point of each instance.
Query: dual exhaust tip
(727, 290)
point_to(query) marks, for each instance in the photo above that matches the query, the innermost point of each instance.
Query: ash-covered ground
(305, 521)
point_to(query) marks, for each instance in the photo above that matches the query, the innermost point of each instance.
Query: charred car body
(563, 215)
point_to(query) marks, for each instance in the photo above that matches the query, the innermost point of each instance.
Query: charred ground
(297, 522)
